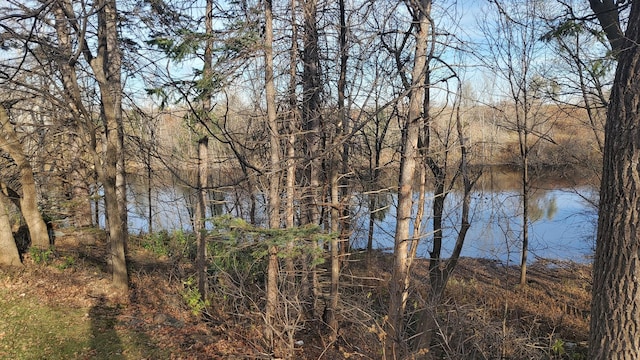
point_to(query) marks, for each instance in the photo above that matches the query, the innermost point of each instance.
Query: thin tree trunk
(339, 209)
(311, 109)
(440, 270)
(293, 122)
(273, 200)
(370, 228)
(329, 315)
(344, 127)
(292, 128)
(525, 217)
(522, 122)
(395, 324)
(203, 158)
(149, 163)
(417, 231)
(374, 171)
(200, 215)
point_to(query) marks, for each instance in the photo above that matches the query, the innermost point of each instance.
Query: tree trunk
(273, 200)
(331, 307)
(395, 324)
(200, 215)
(28, 200)
(290, 143)
(381, 128)
(311, 109)
(526, 195)
(615, 317)
(312, 126)
(106, 67)
(148, 163)
(339, 209)
(203, 159)
(9, 255)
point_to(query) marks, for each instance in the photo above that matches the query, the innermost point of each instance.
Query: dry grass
(487, 315)
(65, 309)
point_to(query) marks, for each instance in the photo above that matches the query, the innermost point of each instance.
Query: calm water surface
(562, 226)
(563, 221)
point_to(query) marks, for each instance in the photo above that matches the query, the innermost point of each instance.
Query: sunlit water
(562, 227)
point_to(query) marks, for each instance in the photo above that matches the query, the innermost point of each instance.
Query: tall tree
(410, 135)
(107, 66)
(311, 124)
(311, 109)
(439, 153)
(292, 122)
(513, 52)
(273, 198)
(615, 324)
(203, 150)
(339, 210)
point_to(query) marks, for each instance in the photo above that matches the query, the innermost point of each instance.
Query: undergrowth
(56, 311)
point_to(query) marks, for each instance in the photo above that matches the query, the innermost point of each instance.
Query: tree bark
(331, 307)
(9, 255)
(615, 309)
(29, 199)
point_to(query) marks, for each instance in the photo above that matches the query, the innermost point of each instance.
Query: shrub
(41, 256)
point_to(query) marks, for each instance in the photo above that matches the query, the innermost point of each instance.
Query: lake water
(563, 221)
(563, 226)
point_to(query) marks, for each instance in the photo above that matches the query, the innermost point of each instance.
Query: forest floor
(60, 305)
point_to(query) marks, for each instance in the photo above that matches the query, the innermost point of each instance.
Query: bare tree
(106, 64)
(411, 130)
(339, 192)
(311, 110)
(514, 46)
(587, 63)
(273, 197)
(439, 152)
(203, 152)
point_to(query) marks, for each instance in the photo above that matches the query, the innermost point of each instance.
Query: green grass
(30, 330)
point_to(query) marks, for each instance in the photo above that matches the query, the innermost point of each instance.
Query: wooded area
(283, 119)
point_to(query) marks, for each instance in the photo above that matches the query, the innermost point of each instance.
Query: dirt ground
(485, 312)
